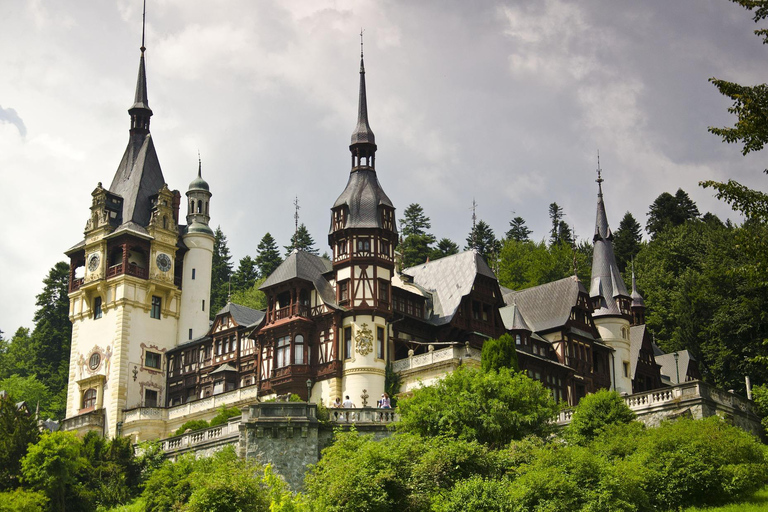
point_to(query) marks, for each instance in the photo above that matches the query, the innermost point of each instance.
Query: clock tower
(363, 236)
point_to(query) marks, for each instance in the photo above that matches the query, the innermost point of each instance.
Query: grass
(757, 503)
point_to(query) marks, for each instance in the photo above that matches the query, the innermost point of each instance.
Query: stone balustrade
(436, 356)
(194, 440)
(363, 416)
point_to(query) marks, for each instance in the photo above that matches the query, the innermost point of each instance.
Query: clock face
(163, 262)
(93, 262)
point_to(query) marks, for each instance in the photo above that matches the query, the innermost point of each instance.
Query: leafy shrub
(499, 353)
(22, 500)
(492, 408)
(225, 413)
(595, 412)
(477, 494)
(191, 425)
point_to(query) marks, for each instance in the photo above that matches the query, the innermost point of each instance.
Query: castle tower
(124, 293)
(363, 236)
(196, 277)
(610, 299)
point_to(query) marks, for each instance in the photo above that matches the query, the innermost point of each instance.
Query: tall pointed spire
(140, 111)
(608, 291)
(363, 139)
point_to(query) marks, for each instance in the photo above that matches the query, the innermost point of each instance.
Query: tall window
(383, 291)
(150, 398)
(193, 273)
(155, 311)
(97, 308)
(347, 342)
(298, 349)
(380, 342)
(363, 245)
(283, 351)
(343, 291)
(152, 359)
(89, 398)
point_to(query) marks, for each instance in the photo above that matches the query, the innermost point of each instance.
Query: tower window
(298, 349)
(89, 399)
(363, 245)
(380, 342)
(190, 334)
(152, 360)
(283, 351)
(97, 308)
(155, 311)
(193, 273)
(347, 342)
(383, 291)
(150, 398)
(203, 304)
(343, 291)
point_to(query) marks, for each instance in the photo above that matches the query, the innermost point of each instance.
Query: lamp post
(309, 389)
(677, 367)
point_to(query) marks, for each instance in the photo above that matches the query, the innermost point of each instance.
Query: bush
(477, 494)
(594, 413)
(191, 425)
(491, 408)
(499, 353)
(21, 500)
(225, 413)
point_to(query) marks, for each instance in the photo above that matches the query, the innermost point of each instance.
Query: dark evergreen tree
(565, 234)
(267, 257)
(668, 211)
(302, 241)
(560, 232)
(518, 231)
(246, 274)
(445, 247)
(18, 429)
(499, 353)
(627, 240)
(51, 337)
(482, 239)
(221, 272)
(416, 245)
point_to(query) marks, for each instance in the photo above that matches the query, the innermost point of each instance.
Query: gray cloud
(9, 115)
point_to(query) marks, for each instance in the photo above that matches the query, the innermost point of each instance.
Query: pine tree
(221, 272)
(416, 244)
(669, 211)
(482, 239)
(268, 257)
(445, 247)
(556, 216)
(518, 231)
(302, 241)
(246, 274)
(627, 240)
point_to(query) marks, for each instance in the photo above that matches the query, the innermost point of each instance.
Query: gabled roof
(450, 279)
(513, 318)
(243, 315)
(306, 266)
(668, 368)
(226, 367)
(636, 338)
(549, 305)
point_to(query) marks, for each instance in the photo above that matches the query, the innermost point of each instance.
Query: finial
(361, 42)
(296, 208)
(474, 223)
(143, 25)
(199, 165)
(599, 170)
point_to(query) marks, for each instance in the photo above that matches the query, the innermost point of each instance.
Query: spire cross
(143, 25)
(296, 208)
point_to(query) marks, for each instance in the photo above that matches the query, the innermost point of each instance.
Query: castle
(145, 357)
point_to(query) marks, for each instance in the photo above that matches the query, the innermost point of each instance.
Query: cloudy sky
(504, 102)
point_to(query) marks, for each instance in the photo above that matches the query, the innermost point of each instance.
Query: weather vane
(296, 209)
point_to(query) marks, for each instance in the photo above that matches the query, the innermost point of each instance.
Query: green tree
(526, 264)
(445, 247)
(18, 429)
(302, 241)
(221, 272)
(490, 407)
(416, 244)
(627, 240)
(267, 257)
(518, 231)
(560, 233)
(251, 297)
(482, 239)
(22, 500)
(668, 211)
(594, 413)
(29, 389)
(246, 274)
(52, 466)
(499, 353)
(17, 354)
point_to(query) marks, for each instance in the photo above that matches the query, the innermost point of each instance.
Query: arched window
(89, 398)
(298, 349)
(199, 207)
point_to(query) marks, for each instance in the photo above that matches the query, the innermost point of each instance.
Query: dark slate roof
(637, 299)
(636, 334)
(363, 133)
(549, 305)
(140, 100)
(513, 318)
(363, 195)
(244, 316)
(667, 363)
(607, 283)
(138, 177)
(450, 279)
(306, 266)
